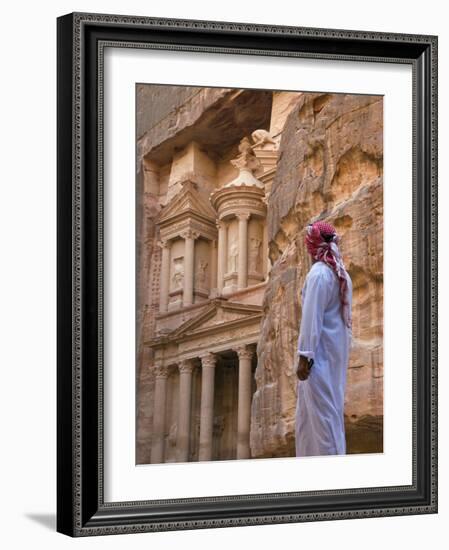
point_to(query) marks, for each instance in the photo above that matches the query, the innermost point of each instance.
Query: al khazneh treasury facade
(207, 162)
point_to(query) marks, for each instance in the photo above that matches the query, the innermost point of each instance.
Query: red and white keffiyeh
(322, 241)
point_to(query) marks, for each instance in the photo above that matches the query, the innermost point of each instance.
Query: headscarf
(322, 241)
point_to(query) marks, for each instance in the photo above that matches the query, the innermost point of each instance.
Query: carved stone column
(165, 275)
(266, 256)
(160, 395)
(213, 269)
(242, 277)
(244, 401)
(208, 362)
(185, 399)
(222, 253)
(189, 256)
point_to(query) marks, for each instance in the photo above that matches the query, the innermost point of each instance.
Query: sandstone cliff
(330, 166)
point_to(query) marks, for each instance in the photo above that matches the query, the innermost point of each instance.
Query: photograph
(246, 274)
(259, 273)
(228, 245)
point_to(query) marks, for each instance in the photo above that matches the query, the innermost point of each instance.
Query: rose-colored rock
(330, 166)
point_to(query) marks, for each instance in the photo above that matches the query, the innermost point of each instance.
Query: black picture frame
(81, 510)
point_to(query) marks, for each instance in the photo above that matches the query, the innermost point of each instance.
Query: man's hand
(302, 368)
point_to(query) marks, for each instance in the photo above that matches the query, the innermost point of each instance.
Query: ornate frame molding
(82, 38)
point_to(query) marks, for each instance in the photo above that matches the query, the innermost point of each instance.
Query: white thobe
(323, 336)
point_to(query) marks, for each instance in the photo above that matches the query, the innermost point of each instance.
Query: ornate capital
(161, 372)
(243, 216)
(221, 224)
(166, 243)
(208, 359)
(190, 234)
(186, 366)
(244, 352)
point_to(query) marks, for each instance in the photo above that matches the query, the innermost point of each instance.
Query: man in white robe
(324, 337)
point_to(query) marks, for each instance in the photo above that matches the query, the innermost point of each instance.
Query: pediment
(219, 313)
(187, 203)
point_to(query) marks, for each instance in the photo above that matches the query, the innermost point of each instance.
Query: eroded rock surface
(330, 166)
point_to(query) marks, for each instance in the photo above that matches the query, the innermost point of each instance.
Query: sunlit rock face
(192, 134)
(329, 167)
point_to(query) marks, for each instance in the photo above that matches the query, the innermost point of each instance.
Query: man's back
(321, 313)
(326, 338)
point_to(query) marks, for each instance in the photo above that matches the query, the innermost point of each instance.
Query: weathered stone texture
(157, 102)
(184, 133)
(330, 166)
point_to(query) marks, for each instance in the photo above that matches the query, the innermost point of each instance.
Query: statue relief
(172, 433)
(233, 256)
(261, 137)
(197, 424)
(201, 273)
(219, 425)
(246, 158)
(254, 253)
(178, 274)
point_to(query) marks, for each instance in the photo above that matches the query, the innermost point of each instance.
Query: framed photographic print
(247, 274)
